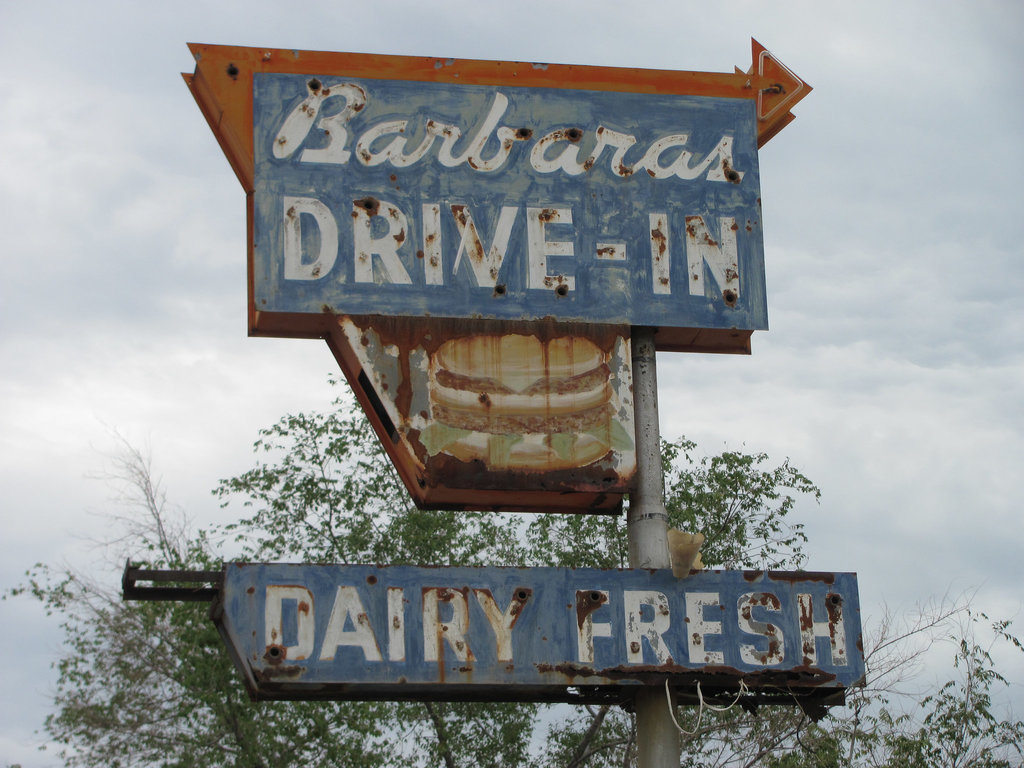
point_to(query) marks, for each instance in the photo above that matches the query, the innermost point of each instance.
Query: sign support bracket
(658, 739)
(170, 586)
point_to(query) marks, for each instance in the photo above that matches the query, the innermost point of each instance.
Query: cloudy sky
(892, 374)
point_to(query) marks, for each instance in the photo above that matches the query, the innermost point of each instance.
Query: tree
(144, 684)
(324, 493)
(149, 684)
(959, 728)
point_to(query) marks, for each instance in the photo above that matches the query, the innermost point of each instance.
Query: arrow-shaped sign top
(779, 89)
(223, 80)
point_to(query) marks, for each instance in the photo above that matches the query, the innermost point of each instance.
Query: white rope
(701, 707)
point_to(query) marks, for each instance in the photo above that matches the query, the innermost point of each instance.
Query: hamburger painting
(497, 417)
(515, 402)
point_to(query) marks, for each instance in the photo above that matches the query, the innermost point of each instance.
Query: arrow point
(780, 90)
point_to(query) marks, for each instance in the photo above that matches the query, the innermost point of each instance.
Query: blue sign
(416, 199)
(544, 634)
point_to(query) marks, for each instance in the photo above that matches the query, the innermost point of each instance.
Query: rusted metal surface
(545, 634)
(415, 199)
(494, 416)
(416, 212)
(513, 174)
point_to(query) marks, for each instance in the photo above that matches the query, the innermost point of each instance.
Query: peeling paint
(534, 634)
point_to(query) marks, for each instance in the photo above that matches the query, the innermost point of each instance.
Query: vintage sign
(475, 239)
(416, 187)
(492, 417)
(402, 198)
(539, 634)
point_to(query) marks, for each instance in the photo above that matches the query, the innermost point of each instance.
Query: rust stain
(588, 601)
(796, 577)
(369, 204)
(275, 653)
(717, 678)
(834, 608)
(523, 595)
(659, 237)
(731, 175)
(442, 470)
(273, 674)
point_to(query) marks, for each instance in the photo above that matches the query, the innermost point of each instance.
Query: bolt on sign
(423, 215)
(538, 634)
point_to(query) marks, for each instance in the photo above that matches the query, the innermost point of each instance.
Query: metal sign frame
(538, 634)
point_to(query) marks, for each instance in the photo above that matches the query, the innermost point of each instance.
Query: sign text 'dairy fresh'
(366, 626)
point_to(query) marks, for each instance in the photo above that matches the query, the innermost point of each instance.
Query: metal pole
(658, 744)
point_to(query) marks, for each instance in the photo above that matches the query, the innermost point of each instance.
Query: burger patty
(524, 423)
(562, 385)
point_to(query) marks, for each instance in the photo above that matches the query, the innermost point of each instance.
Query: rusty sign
(429, 215)
(411, 187)
(538, 634)
(492, 417)
(449, 200)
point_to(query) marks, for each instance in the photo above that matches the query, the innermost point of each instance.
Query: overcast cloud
(892, 373)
